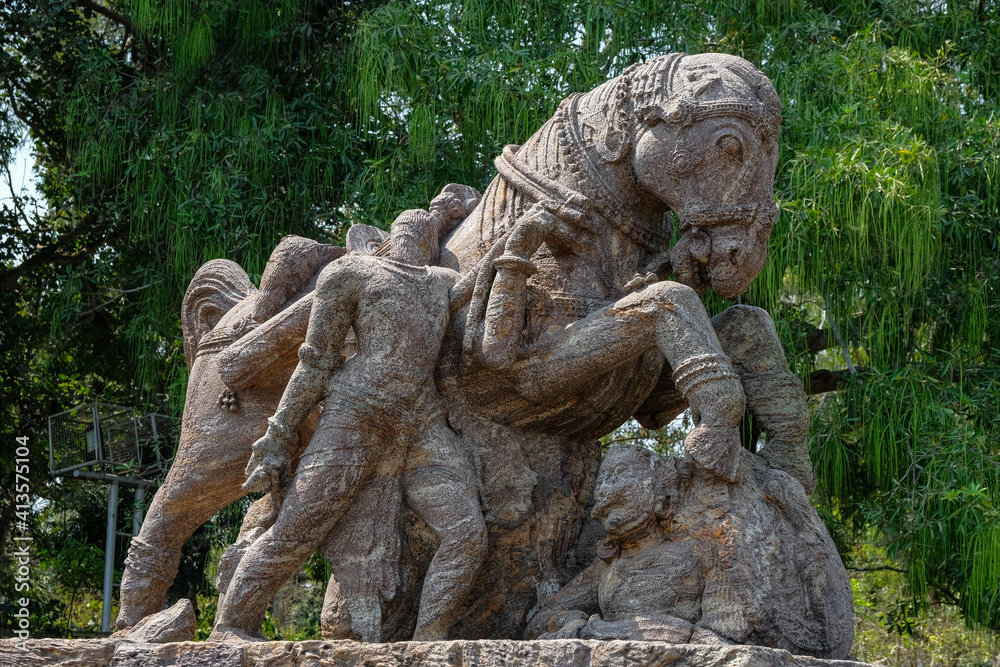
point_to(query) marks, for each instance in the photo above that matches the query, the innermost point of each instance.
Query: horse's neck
(561, 151)
(616, 206)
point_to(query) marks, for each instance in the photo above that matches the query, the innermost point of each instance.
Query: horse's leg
(774, 395)
(671, 317)
(206, 475)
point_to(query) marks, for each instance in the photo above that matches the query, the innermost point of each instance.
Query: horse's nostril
(732, 255)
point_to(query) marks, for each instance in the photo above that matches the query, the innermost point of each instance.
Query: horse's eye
(731, 146)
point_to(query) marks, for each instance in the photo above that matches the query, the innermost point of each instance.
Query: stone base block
(484, 653)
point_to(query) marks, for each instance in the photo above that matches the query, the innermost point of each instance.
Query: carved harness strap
(578, 209)
(557, 198)
(219, 339)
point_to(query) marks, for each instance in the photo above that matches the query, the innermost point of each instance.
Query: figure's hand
(447, 207)
(607, 630)
(639, 281)
(567, 625)
(268, 464)
(718, 450)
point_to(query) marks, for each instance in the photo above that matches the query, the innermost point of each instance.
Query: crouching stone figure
(690, 559)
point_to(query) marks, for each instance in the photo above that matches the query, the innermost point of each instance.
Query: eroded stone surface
(561, 324)
(553, 653)
(176, 624)
(691, 558)
(382, 437)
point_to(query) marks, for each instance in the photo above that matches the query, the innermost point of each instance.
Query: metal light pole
(96, 441)
(109, 556)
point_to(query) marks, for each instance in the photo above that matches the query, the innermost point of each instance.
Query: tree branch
(15, 198)
(107, 13)
(60, 252)
(12, 101)
(823, 380)
(149, 56)
(818, 340)
(120, 293)
(877, 568)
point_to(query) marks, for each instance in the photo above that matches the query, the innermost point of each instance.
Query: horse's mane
(215, 289)
(602, 123)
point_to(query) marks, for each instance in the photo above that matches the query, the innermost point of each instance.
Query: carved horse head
(699, 133)
(695, 135)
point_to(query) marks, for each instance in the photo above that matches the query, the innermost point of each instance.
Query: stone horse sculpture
(569, 326)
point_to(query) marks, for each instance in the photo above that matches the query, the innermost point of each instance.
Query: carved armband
(515, 264)
(279, 431)
(311, 356)
(702, 368)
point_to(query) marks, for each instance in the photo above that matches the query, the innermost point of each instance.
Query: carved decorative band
(219, 339)
(309, 355)
(515, 264)
(703, 216)
(700, 369)
(560, 200)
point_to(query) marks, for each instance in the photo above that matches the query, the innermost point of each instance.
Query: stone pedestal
(483, 653)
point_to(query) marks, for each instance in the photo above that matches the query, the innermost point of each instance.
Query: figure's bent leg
(447, 502)
(260, 516)
(672, 317)
(318, 495)
(774, 395)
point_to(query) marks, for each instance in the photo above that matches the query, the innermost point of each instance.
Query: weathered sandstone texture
(467, 366)
(484, 653)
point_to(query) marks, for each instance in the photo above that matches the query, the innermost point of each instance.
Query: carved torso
(663, 579)
(400, 312)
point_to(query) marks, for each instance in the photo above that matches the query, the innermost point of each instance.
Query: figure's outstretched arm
(334, 306)
(564, 613)
(251, 360)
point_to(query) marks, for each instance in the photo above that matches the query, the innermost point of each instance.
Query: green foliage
(667, 441)
(891, 223)
(891, 627)
(170, 133)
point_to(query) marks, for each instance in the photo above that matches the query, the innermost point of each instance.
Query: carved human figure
(643, 586)
(380, 406)
(221, 306)
(680, 559)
